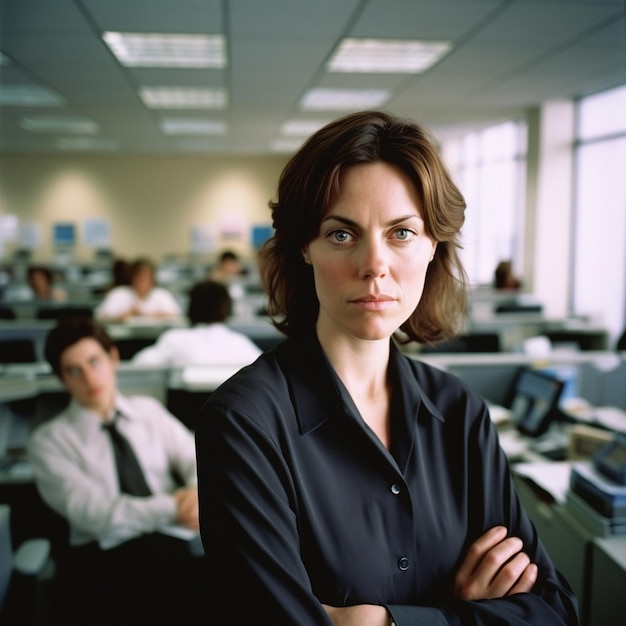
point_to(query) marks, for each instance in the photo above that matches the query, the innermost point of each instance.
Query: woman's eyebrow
(348, 222)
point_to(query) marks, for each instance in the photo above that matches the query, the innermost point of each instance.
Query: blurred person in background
(41, 281)
(209, 340)
(140, 298)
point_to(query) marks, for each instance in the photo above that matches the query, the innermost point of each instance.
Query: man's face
(88, 372)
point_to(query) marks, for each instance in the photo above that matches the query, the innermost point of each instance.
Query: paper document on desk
(499, 414)
(552, 476)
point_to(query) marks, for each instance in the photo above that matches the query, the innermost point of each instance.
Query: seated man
(208, 341)
(133, 554)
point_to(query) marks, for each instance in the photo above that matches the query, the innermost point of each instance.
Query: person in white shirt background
(208, 340)
(140, 298)
(131, 559)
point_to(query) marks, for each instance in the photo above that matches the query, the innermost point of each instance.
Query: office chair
(129, 346)
(186, 405)
(20, 572)
(7, 313)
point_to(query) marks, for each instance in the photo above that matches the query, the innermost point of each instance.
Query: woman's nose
(374, 262)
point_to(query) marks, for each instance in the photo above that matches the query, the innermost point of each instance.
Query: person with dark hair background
(138, 297)
(41, 282)
(208, 340)
(341, 481)
(227, 269)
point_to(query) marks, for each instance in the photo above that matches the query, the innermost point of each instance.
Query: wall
(151, 202)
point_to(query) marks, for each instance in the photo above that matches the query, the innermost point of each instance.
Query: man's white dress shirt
(75, 470)
(204, 344)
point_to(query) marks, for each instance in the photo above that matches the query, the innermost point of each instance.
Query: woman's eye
(340, 236)
(403, 234)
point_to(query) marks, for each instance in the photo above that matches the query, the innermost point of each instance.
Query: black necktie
(131, 478)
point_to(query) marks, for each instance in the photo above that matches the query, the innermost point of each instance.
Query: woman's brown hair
(312, 179)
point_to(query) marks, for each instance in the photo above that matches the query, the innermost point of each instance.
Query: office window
(490, 169)
(599, 273)
(602, 115)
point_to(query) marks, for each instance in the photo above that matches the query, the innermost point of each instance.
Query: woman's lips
(374, 302)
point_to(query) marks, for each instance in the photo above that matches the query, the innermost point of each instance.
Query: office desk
(608, 582)
(594, 566)
(600, 375)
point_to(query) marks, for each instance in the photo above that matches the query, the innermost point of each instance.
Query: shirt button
(395, 489)
(403, 563)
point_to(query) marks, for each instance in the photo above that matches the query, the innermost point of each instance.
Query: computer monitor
(63, 235)
(534, 400)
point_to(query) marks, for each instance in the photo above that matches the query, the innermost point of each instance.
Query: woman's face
(371, 254)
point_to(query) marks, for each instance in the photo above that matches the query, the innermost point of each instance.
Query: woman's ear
(305, 254)
(432, 254)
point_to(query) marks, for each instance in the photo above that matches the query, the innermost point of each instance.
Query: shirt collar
(88, 423)
(318, 393)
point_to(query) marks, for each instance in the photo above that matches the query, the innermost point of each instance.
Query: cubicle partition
(598, 377)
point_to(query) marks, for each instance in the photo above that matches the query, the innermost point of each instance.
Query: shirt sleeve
(180, 444)
(116, 302)
(248, 526)
(495, 502)
(91, 502)
(159, 353)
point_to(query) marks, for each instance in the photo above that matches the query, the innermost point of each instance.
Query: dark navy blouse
(301, 504)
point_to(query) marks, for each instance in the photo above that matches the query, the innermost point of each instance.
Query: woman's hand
(494, 567)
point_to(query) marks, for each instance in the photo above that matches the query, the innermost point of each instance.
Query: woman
(341, 482)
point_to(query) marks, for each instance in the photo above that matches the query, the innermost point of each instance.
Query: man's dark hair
(69, 331)
(209, 302)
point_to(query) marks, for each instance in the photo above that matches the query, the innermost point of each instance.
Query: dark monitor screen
(534, 400)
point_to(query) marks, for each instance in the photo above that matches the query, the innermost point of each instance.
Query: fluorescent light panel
(29, 96)
(181, 126)
(301, 128)
(343, 99)
(386, 56)
(286, 144)
(87, 143)
(167, 49)
(183, 97)
(49, 124)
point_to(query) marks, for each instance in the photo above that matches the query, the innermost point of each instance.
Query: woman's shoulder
(262, 383)
(441, 386)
